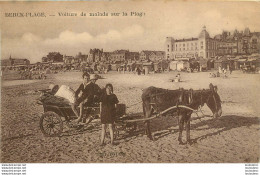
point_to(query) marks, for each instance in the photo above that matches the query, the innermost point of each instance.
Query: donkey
(156, 100)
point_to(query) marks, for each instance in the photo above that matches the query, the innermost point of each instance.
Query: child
(108, 112)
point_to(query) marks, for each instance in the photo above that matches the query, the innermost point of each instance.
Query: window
(168, 45)
(183, 45)
(180, 49)
(176, 45)
(168, 50)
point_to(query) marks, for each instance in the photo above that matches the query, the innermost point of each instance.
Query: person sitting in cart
(108, 112)
(88, 90)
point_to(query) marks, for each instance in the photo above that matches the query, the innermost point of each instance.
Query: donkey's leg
(181, 125)
(148, 114)
(187, 126)
(148, 130)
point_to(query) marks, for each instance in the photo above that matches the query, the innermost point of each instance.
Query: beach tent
(182, 65)
(165, 65)
(203, 63)
(156, 66)
(173, 65)
(210, 63)
(114, 67)
(148, 67)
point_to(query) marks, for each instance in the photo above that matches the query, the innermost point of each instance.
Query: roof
(256, 33)
(120, 52)
(204, 33)
(218, 37)
(187, 39)
(183, 59)
(149, 52)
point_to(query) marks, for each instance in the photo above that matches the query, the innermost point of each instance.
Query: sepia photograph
(130, 82)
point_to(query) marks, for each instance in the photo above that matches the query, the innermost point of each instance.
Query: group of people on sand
(221, 71)
(88, 93)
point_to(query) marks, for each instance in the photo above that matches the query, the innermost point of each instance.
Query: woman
(108, 112)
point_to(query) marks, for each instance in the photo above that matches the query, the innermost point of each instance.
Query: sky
(34, 37)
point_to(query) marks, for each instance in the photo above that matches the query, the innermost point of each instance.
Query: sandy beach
(232, 138)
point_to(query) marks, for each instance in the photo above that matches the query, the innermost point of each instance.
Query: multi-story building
(227, 48)
(119, 55)
(14, 62)
(147, 55)
(133, 56)
(106, 57)
(204, 46)
(123, 56)
(244, 42)
(94, 55)
(68, 59)
(81, 58)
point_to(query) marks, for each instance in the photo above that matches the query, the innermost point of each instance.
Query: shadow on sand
(164, 126)
(167, 125)
(224, 123)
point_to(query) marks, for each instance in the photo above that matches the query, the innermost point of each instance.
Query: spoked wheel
(116, 132)
(51, 124)
(130, 127)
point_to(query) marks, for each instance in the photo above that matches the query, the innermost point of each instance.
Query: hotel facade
(206, 47)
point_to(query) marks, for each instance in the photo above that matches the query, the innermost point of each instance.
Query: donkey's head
(213, 101)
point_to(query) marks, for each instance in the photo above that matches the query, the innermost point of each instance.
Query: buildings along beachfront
(203, 46)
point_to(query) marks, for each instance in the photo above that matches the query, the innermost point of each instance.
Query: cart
(56, 115)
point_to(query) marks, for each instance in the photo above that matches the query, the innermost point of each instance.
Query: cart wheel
(51, 124)
(116, 132)
(130, 128)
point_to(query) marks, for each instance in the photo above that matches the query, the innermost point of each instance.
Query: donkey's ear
(211, 87)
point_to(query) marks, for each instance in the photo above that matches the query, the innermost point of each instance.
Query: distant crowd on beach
(221, 72)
